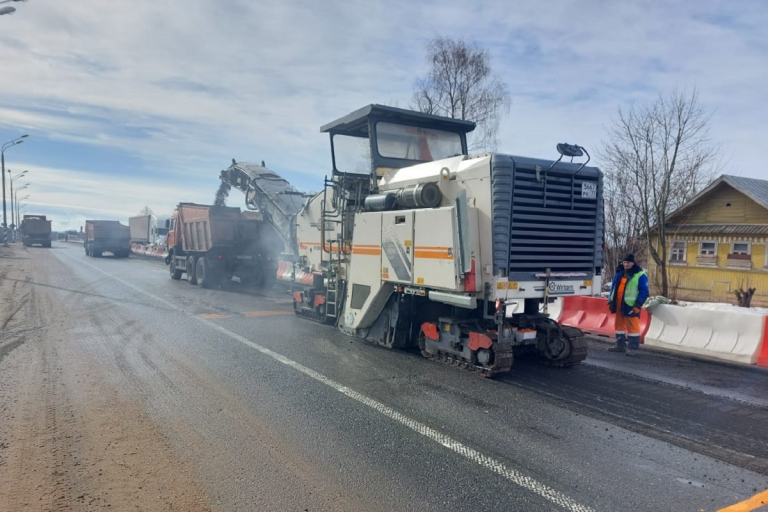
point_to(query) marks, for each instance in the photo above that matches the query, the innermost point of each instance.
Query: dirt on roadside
(68, 439)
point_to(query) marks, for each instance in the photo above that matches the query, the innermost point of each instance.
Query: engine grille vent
(545, 220)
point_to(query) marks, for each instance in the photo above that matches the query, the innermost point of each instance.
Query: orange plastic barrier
(762, 358)
(591, 315)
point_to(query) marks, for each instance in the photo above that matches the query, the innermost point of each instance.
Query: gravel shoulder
(69, 438)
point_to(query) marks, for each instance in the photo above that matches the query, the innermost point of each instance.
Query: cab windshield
(413, 143)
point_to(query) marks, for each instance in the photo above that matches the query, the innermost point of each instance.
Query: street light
(14, 224)
(7, 145)
(8, 10)
(19, 207)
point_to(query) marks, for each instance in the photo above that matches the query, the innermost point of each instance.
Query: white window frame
(701, 248)
(672, 251)
(748, 244)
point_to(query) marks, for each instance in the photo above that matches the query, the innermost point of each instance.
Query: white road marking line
(497, 467)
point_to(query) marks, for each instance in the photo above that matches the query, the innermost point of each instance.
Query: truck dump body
(107, 236)
(36, 229)
(211, 244)
(207, 226)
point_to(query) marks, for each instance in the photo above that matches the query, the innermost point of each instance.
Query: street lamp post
(14, 224)
(7, 145)
(18, 205)
(8, 10)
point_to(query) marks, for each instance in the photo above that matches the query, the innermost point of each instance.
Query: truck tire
(203, 273)
(246, 278)
(267, 278)
(175, 273)
(85, 246)
(191, 270)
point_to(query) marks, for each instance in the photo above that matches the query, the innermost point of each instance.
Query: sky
(141, 103)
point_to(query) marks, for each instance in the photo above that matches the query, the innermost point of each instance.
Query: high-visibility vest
(631, 290)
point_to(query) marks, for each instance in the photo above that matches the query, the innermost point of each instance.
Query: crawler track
(315, 317)
(578, 349)
(503, 358)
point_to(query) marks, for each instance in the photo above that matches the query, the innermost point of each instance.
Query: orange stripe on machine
(435, 253)
(366, 249)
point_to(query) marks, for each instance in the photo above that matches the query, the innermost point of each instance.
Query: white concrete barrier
(723, 335)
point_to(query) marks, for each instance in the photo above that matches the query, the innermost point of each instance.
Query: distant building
(716, 243)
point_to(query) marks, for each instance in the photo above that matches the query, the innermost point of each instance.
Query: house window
(708, 249)
(677, 252)
(740, 255)
(740, 248)
(707, 254)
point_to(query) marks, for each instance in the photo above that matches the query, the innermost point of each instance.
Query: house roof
(716, 229)
(755, 189)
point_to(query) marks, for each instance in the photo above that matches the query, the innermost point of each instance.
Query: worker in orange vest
(629, 291)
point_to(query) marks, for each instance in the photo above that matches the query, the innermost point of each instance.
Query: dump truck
(107, 236)
(36, 229)
(213, 244)
(416, 243)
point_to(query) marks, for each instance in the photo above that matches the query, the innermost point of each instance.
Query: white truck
(143, 229)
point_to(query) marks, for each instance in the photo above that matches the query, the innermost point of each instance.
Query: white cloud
(185, 85)
(69, 196)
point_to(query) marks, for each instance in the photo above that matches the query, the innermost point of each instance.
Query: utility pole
(7, 145)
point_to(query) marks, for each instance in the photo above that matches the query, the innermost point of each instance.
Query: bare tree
(461, 85)
(659, 155)
(146, 211)
(623, 227)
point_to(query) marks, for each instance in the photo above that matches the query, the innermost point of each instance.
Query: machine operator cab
(377, 138)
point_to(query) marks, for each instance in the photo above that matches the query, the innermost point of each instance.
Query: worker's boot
(634, 344)
(621, 343)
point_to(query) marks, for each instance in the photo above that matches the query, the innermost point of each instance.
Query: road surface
(121, 389)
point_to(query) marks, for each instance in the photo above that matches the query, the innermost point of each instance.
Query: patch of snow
(715, 306)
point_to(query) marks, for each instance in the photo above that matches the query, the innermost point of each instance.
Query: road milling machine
(413, 242)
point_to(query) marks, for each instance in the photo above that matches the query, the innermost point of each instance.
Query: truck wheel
(267, 278)
(175, 273)
(203, 273)
(85, 246)
(225, 280)
(191, 270)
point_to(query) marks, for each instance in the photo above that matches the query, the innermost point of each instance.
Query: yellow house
(716, 243)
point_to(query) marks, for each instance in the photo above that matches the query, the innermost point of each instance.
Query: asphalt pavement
(272, 410)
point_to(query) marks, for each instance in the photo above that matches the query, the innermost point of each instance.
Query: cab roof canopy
(356, 124)
(361, 123)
